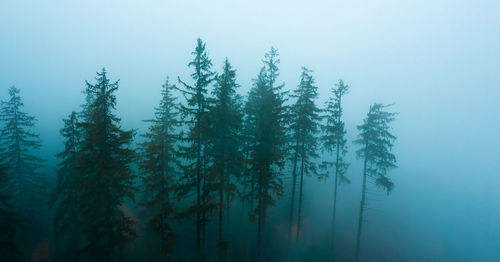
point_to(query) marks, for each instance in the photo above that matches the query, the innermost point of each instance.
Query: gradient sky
(439, 61)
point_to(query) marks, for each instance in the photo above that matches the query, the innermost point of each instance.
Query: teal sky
(439, 61)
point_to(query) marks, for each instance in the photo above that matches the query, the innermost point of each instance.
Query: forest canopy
(203, 179)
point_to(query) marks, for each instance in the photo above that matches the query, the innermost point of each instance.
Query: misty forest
(204, 178)
(358, 131)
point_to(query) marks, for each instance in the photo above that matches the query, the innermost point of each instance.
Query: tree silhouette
(159, 168)
(225, 145)
(334, 142)
(66, 194)
(266, 116)
(107, 179)
(305, 121)
(8, 220)
(376, 142)
(194, 153)
(18, 141)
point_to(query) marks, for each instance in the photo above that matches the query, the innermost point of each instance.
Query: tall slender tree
(8, 221)
(225, 145)
(18, 140)
(266, 116)
(107, 179)
(159, 168)
(195, 113)
(248, 180)
(305, 123)
(334, 142)
(376, 142)
(66, 194)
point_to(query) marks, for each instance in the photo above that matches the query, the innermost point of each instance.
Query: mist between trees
(210, 169)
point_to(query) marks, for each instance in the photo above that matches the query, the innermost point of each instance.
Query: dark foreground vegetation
(209, 152)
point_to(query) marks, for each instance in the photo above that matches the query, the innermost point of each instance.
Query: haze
(438, 61)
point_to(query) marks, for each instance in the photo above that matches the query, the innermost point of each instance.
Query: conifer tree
(159, 168)
(8, 221)
(225, 145)
(106, 176)
(194, 149)
(266, 115)
(18, 141)
(376, 142)
(248, 180)
(66, 194)
(334, 142)
(305, 121)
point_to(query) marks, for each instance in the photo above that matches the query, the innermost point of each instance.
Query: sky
(438, 61)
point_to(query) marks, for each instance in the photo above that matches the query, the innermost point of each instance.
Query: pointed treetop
(377, 142)
(341, 89)
(13, 91)
(271, 62)
(201, 61)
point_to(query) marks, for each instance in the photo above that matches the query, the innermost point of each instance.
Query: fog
(438, 61)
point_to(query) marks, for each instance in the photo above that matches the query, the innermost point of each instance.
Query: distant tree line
(207, 149)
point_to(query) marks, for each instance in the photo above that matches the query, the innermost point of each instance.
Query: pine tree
(266, 117)
(106, 176)
(225, 145)
(376, 142)
(159, 168)
(305, 121)
(194, 149)
(8, 221)
(334, 142)
(18, 141)
(66, 194)
(248, 180)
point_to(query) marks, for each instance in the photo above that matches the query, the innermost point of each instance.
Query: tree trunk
(198, 194)
(300, 196)
(259, 216)
(361, 208)
(203, 206)
(221, 215)
(294, 183)
(228, 207)
(335, 196)
(221, 246)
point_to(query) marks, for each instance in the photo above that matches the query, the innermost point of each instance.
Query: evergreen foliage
(224, 146)
(8, 221)
(66, 194)
(334, 142)
(159, 168)
(106, 176)
(266, 116)
(376, 142)
(18, 141)
(198, 157)
(193, 150)
(305, 123)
